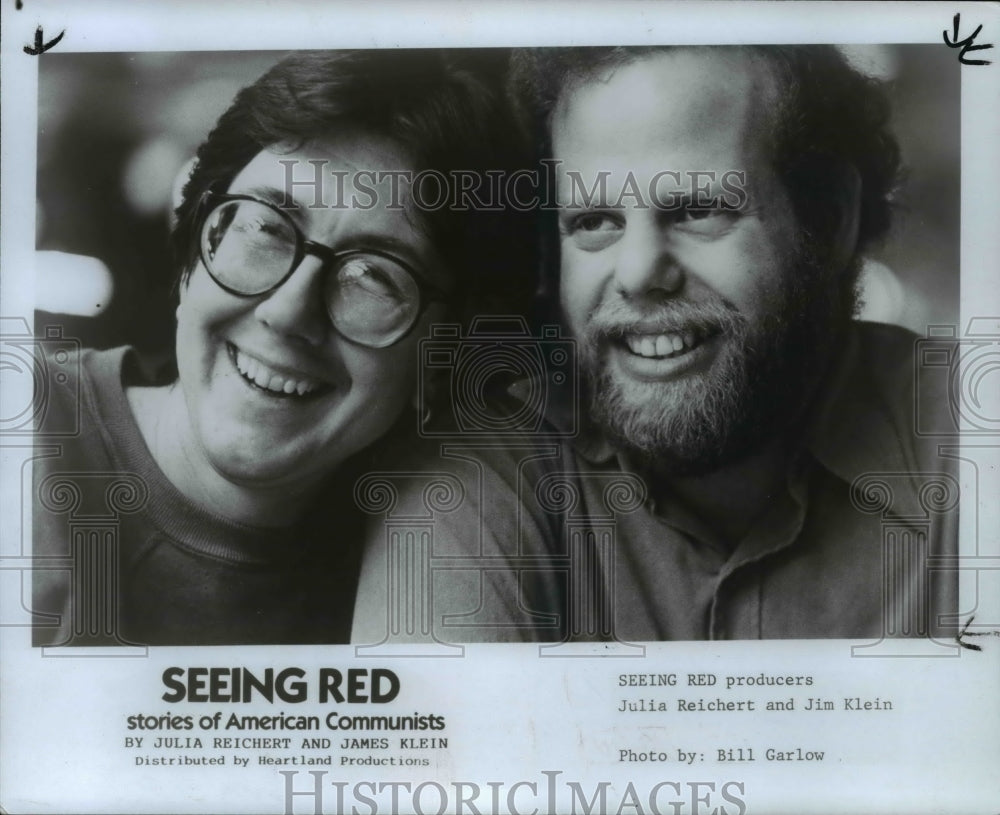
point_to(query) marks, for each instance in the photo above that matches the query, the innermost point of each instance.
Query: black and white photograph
(565, 408)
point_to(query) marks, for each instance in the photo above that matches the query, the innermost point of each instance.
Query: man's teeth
(269, 379)
(660, 345)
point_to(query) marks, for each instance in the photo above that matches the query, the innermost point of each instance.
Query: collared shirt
(570, 542)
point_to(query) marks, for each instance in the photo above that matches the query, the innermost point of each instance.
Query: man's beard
(758, 385)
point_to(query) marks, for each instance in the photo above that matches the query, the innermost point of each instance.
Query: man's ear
(846, 203)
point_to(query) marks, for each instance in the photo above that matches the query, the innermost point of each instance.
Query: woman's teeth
(269, 379)
(661, 345)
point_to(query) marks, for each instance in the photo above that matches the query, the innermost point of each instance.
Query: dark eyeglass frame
(427, 292)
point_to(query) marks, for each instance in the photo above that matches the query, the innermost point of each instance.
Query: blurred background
(116, 131)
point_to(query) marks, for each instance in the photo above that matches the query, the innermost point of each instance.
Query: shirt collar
(852, 430)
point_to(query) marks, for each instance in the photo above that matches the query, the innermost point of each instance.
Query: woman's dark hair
(829, 115)
(446, 109)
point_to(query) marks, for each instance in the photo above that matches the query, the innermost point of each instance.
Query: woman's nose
(296, 308)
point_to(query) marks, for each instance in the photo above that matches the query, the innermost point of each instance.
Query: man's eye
(593, 222)
(592, 231)
(699, 214)
(707, 222)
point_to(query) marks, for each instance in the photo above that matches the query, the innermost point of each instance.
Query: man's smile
(657, 357)
(661, 345)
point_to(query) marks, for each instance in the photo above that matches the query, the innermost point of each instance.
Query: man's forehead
(679, 101)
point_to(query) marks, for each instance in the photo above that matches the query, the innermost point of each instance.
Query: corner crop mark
(966, 633)
(40, 46)
(967, 44)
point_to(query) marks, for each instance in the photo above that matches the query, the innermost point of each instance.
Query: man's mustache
(616, 319)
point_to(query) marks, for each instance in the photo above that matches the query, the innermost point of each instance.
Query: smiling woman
(292, 360)
(307, 276)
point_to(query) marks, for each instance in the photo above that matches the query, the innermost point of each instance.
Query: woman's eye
(255, 224)
(371, 278)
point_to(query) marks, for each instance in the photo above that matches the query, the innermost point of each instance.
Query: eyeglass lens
(250, 248)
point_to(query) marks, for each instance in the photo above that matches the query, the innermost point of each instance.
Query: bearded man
(713, 208)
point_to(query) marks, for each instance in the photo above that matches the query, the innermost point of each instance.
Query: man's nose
(645, 263)
(296, 308)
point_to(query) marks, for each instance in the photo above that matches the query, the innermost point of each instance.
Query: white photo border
(513, 717)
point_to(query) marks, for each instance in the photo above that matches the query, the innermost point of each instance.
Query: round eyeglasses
(250, 248)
